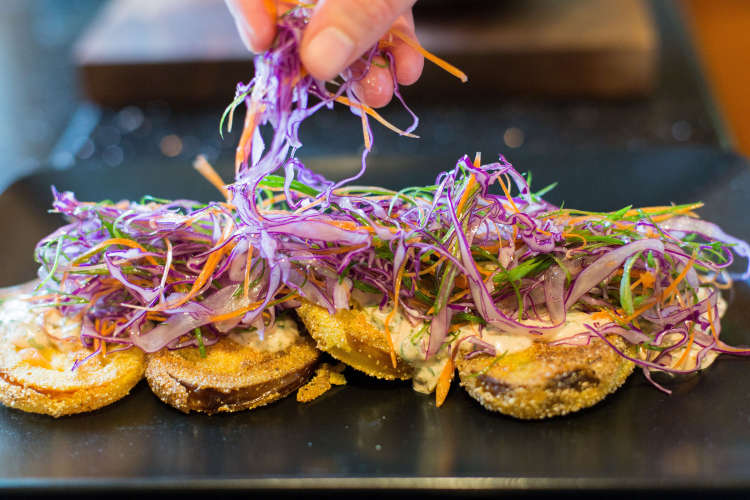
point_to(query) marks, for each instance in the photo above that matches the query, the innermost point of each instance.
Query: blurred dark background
(117, 84)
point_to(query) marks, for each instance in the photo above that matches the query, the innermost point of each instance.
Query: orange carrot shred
(207, 170)
(211, 263)
(507, 194)
(711, 321)
(444, 383)
(367, 109)
(685, 354)
(673, 286)
(365, 134)
(430, 56)
(248, 262)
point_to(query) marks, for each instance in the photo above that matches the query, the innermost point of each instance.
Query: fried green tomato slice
(38, 349)
(351, 337)
(233, 375)
(60, 391)
(545, 381)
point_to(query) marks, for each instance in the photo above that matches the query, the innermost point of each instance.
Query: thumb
(342, 30)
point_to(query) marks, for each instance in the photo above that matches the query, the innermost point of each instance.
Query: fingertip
(326, 53)
(255, 24)
(409, 64)
(376, 88)
(264, 34)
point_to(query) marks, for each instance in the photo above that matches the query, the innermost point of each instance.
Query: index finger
(255, 21)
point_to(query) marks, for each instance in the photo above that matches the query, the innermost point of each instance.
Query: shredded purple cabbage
(463, 250)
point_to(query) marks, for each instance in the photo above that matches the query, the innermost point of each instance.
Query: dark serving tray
(370, 434)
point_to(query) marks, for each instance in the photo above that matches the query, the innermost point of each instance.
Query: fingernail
(329, 52)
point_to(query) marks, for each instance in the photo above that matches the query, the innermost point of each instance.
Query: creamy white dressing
(505, 342)
(36, 335)
(279, 337)
(409, 340)
(24, 325)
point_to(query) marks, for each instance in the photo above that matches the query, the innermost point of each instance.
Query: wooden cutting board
(189, 51)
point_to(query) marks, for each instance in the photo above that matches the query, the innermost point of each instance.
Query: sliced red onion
(238, 262)
(220, 302)
(606, 265)
(554, 289)
(439, 326)
(341, 291)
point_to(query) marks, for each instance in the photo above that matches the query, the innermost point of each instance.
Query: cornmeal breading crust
(350, 337)
(232, 377)
(97, 383)
(545, 381)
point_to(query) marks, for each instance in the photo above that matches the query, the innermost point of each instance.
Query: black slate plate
(370, 434)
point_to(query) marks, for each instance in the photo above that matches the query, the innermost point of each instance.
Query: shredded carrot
(648, 305)
(649, 210)
(465, 196)
(107, 330)
(207, 170)
(367, 109)
(685, 354)
(429, 56)
(234, 314)
(469, 184)
(710, 313)
(499, 238)
(97, 329)
(729, 348)
(648, 279)
(427, 270)
(673, 286)
(574, 235)
(248, 262)
(167, 263)
(507, 195)
(444, 383)
(636, 283)
(243, 310)
(275, 199)
(211, 263)
(459, 295)
(365, 133)
(602, 314)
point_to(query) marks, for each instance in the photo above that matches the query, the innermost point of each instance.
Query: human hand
(340, 31)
